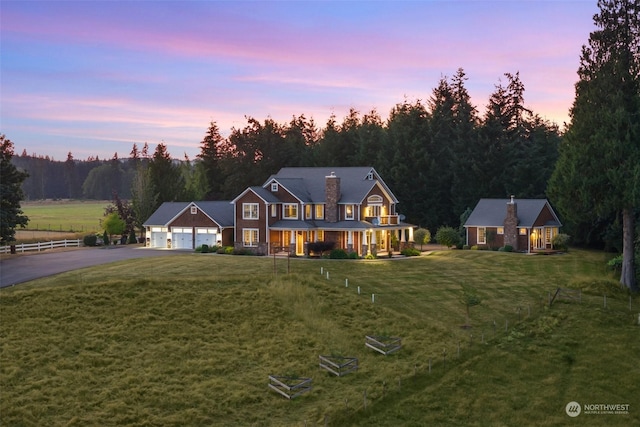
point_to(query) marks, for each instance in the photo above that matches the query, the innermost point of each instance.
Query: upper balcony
(383, 220)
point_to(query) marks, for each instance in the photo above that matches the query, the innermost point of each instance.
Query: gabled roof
(308, 184)
(261, 192)
(165, 213)
(492, 212)
(221, 212)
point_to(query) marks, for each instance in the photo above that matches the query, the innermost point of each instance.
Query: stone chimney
(332, 196)
(511, 225)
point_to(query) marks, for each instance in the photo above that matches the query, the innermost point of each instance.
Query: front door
(300, 243)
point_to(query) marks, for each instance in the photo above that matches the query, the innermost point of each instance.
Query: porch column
(373, 242)
(292, 242)
(410, 234)
(363, 239)
(350, 241)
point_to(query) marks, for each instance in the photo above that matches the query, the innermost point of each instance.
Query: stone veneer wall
(332, 196)
(511, 226)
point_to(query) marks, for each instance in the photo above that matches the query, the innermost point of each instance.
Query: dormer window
(274, 187)
(370, 176)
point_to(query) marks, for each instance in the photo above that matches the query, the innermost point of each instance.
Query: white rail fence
(40, 246)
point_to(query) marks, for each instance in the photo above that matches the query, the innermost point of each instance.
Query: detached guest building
(527, 225)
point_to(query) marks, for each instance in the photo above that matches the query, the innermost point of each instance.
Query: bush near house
(410, 252)
(561, 242)
(448, 236)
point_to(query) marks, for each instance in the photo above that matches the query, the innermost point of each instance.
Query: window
(250, 237)
(194, 210)
(249, 211)
(500, 230)
(274, 211)
(290, 211)
(522, 231)
(482, 235)
(320, 235)
(370, 176)
(274, 187)
(319, 211)
(348, 212)
(307, 211)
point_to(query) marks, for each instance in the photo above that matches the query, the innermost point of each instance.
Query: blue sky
(95, 77)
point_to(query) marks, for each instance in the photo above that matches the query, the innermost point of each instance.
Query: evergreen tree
(165, 176)
(11, 215)
(144, 198)
(598, 170)
(210, 159)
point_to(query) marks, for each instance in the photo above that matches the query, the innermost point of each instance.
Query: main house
(524, 224)
(351, 207)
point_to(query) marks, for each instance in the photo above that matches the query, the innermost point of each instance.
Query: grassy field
(64, 215)
(192, 339)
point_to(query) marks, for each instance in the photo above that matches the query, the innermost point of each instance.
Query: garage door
(206, 236)
(158, 238)
(182, 238)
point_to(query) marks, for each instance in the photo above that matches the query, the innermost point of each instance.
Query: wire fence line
(436, 363)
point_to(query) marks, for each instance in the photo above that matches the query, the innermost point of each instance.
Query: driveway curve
(25, 267)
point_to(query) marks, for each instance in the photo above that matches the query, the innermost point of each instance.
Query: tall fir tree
(11, 215)
(598, 170)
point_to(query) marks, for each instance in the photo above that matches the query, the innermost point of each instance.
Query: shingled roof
(492, 212)
(219, 211)
(308, 184)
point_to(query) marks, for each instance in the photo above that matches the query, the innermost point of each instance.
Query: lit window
(290, 211)
(274, 210)
(500, 230)
(307, 211)
(523, 231)
(319, 211)
(482, 235)
(250, 237)
(249, 211)
(348, 212)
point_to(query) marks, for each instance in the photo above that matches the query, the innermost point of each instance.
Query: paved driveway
(29, 266)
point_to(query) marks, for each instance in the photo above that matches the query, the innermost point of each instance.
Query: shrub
(474, 247)
(422, 236)
(447, 236)
(353, 255)
(228, 250)
(320, 247)
(105, 238)
(90, 240)
(410, 252)
(615, 263)
(132, 238)
(370, 256)
(465, 247)
(561, 242)
(338, 254)
(507, 248)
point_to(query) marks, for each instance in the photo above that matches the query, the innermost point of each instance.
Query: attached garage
(206, 236)
(188, 225)
(181, 238)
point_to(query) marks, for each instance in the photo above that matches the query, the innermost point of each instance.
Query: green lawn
(192, 339)
(75, 216)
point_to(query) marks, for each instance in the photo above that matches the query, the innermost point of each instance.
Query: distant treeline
(438, 157)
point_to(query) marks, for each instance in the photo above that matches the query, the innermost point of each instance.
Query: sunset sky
(94, 77)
